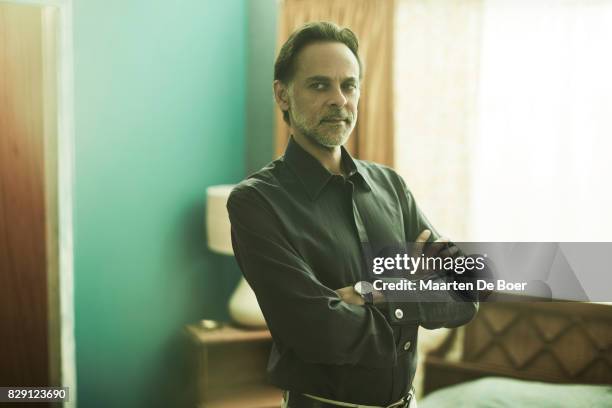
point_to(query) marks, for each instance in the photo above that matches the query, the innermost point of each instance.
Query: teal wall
(160, 95)
(259, 137)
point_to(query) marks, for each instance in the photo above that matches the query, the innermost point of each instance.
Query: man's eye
(318, 85)
(351, 87)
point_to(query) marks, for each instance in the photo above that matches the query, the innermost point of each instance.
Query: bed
(525, 354)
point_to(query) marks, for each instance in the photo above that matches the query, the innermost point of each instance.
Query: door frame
(59, 149)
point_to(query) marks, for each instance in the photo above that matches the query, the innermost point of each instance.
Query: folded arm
(302, 314)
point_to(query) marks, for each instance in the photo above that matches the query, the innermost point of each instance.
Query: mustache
(338, 115)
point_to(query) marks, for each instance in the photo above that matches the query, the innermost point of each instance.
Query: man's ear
(281, 95)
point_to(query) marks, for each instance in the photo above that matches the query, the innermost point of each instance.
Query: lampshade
(217, 219)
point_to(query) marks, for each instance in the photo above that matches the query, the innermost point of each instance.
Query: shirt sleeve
(440, 309)
(302, 314)
(430, 309)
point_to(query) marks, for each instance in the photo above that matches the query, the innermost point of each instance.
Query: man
(303, 228)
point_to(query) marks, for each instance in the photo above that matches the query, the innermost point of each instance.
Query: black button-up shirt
(298, 233)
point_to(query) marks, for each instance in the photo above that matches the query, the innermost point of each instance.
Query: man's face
(323, 95)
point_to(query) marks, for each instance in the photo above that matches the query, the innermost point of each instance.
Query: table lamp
(243, 306)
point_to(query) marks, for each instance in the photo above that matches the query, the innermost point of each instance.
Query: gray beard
(320, 138)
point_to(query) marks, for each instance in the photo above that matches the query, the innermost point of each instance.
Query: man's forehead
(326, 59)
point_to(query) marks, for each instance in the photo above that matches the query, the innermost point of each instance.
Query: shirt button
(399, 313)
(407, 345)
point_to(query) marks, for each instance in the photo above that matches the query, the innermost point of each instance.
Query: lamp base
(243, 307)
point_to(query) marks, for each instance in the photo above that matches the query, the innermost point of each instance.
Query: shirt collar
(311, 172)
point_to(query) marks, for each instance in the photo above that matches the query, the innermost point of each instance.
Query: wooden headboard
(561, 342)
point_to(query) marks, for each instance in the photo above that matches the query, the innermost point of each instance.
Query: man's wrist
(379, 299)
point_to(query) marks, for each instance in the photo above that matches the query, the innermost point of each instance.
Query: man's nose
(337, 97)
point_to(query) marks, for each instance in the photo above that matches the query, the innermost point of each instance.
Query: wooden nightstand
(229, 367)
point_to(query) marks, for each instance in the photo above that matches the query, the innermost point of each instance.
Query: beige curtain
(436, 84)
(372, 22)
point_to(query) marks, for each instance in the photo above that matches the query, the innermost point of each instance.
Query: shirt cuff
(394, 306)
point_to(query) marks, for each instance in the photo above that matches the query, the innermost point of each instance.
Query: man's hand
(349, 295)
(441, 247)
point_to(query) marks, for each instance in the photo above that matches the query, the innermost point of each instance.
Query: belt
(296, 400)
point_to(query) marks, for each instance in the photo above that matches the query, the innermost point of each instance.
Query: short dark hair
(320, 31)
